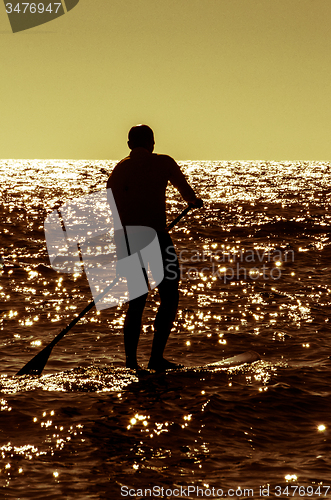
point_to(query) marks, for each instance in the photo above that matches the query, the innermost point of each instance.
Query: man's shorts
(169, 257)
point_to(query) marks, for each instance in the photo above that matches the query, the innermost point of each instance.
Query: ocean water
(256, 275)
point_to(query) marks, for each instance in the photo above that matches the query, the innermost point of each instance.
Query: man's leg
(168, 291)
(163, 323)
(132, 326)
(132, 323)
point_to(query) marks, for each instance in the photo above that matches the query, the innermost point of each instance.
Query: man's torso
(139, 184)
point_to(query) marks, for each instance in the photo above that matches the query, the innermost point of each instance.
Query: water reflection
(199, 423)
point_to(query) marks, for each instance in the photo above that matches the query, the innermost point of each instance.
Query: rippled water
(255, 276)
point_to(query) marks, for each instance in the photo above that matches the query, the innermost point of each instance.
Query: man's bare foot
(160, 365)
(132, 365)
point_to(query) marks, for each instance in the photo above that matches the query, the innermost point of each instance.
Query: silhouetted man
(139, 183)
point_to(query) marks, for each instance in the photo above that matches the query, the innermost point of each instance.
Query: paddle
(180, 216)
(36, 365)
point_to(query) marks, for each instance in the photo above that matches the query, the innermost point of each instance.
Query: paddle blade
(36, 365)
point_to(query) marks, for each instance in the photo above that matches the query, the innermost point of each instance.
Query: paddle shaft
(84, 311)
(180, 216)
(38, 363)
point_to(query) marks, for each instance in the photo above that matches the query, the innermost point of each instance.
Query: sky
(215, 79)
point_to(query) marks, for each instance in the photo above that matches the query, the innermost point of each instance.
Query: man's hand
(198, 203)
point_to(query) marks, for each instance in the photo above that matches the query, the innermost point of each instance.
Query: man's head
(141, 136)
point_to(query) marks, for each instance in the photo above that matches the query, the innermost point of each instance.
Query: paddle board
(239, 359)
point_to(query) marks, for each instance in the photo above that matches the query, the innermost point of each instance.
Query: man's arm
(178, 179)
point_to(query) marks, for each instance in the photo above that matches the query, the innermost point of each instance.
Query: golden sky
(215, 79)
